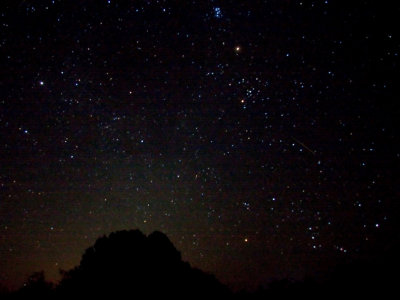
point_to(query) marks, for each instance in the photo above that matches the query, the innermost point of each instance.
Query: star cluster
(258, 135)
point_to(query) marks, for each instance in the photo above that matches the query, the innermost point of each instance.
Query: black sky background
(260, 136)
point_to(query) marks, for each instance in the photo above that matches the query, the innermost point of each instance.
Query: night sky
(260, 136)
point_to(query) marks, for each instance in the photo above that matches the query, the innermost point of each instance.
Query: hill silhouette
(130, 264)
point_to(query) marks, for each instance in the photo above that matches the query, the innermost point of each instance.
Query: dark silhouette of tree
(35, 287)
(129, 263)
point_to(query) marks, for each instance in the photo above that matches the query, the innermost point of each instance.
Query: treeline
(130, 265)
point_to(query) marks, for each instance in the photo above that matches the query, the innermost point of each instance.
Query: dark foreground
(128, 264)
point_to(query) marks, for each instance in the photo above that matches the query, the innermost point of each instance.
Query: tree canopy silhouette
(129, 263)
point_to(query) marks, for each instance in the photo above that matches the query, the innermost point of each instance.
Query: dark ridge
(130, 265)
